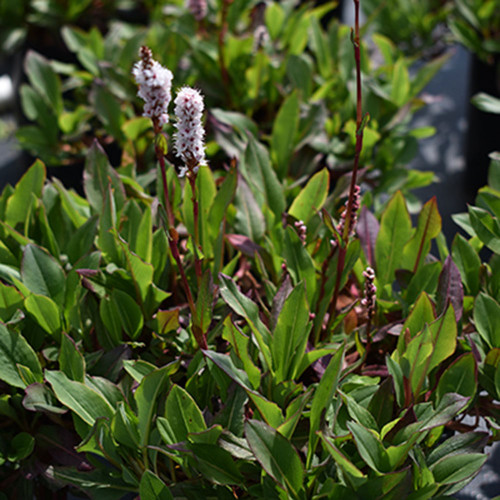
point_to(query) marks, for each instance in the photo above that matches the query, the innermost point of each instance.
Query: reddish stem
(359, 146)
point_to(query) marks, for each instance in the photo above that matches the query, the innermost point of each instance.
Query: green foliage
(227, 340)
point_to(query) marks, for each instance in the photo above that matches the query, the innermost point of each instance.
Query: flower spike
(155, 87)
(190, 133)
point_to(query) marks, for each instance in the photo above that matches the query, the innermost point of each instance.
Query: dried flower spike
(368, 300)
(301, 230)
(354, 214)
(190, 133)
(198, 8)
(155, 86)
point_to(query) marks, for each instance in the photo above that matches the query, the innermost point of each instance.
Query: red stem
(359, 146)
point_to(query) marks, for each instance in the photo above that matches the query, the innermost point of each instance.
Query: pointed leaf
(428, 227)
(395, 231)
(15, 349)
(312, 197)
(87, 403)
(276, 456)
(152, 487)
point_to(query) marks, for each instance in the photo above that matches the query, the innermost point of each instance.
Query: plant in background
(298, 73)
(476, 25)
(243, 331)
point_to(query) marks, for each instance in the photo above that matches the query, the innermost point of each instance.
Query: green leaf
(10, 301)
(42, 274)
(400, 83)
(370, 448)
(40, 398)
(455, 468)
(249, 310)
(87, 403)
(486, 227)
(274, 17)
(143, 244)
(97, 176)
(323, 397)
(283, 134)
(299, 263)
(45, 312)
(216, 464)
(249, 218)
(460, 377)
(182, 416)
(30, 183)
(138, 369)
(450, 405)
(15, 349)
(152, 487)
(319, 45)
(21, 447)
(312, 197)
(146, 395)
(125, 426)
(260, 176)
(395, 231)
(269, 410)
(44, 79)
(276, 456)
(428, 227)
(468, 262)
(494, 171)
(206, 192)
(107, 108)
(129, 312)
(71, 361)
(240, 342)
(290, 335)
(340, 459)
(299, 71)
(421, 314)
(486, 314)
(486, 102)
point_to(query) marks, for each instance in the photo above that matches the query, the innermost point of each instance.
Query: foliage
(297, 71)
(476, 24)
(219, 335)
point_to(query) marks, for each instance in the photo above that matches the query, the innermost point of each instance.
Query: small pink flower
(155, 86)
(190, 133)
(198, 8)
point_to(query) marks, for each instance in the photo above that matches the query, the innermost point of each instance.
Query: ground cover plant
(242, 306)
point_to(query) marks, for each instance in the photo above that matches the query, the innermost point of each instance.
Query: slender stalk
(358, 148)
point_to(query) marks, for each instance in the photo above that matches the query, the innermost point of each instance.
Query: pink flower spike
(155, 87)
(190, 133)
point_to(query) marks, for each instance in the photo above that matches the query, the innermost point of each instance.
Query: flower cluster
(354, 213)
(368, 300)
(301, 230)
(155, 85)
(198, 8)
(190, 133)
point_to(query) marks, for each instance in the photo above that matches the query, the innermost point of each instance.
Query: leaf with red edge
(243, 243)
(428, 227)
(367, 229)
(450, 288)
